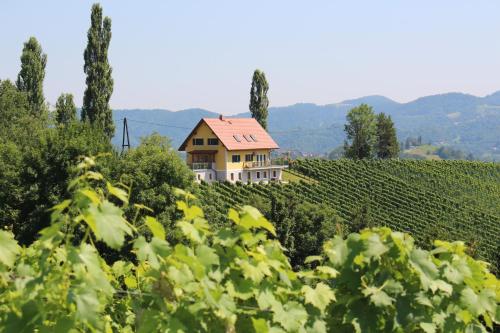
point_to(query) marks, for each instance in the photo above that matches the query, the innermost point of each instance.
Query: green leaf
(377, 296)
(107, 223)
(206, 255)
(292, 316)
(313, 259)
(189, 231)
(8, 248)
(260, 325)
(117, 192)
(87, 305)
(320, 296)
(428, 327)
(252, 218)
(151, 251)
(155, 227)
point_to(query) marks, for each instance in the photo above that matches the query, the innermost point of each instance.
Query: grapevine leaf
(189, 231)
(155, 227)
(87, 305)
(292, 316)
(109, 224)
(320, 296)
(377, 296)
(117, 192)
(207, 256)
(260, 325)
(428, 327)
(8, 248)
(150, 251)
(313, 259)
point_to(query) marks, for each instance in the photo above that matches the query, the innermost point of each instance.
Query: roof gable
(237, 133)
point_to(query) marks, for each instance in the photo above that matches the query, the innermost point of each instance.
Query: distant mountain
(464, 121)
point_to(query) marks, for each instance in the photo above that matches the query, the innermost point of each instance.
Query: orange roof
(237, 133)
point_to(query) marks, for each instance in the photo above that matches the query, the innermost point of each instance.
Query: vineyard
(451, 200)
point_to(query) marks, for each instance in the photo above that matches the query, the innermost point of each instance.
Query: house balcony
(265, 164)
(201, 165)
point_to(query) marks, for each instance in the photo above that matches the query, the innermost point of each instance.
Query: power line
(188, 128)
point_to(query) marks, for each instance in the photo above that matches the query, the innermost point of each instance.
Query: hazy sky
(183, 54)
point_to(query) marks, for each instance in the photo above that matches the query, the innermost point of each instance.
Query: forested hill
(449, 200)
(467, 122)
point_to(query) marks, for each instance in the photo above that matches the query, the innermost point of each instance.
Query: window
(274, 174)
(254, 137)
(210, 176)
(239, 175)
(265, 174)
(237, 137)
(249, 176)
(248, 157)
(236, 158)
(232, 176)
(247, 137)
(198, 142)
(199, 177)
(213, 142)
(258, 174)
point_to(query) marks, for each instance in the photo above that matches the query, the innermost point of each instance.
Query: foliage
(36, 163)
(236, 279)
(361, 132)
(385, 283)
(13, 104)
(99, 82)
(387, 145)
(258, 97)
(65, 109)
(154, 169)
(30, 78)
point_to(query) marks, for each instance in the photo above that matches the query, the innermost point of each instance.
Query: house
(232, 149)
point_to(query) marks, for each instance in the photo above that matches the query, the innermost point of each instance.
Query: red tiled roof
(228, 130)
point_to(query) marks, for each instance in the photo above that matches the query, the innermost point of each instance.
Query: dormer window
(198, 142)
(253, 137)
(213, 142)
(247, 137)
(237, 137)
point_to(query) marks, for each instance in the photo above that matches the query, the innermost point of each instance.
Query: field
(449, 200)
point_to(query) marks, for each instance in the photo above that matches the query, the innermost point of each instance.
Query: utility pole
(125, 133)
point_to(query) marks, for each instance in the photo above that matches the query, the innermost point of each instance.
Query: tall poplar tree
(360, 130)
(30, 78)
(65, 109)
(387, 145)
(95, 107)
(258, 98)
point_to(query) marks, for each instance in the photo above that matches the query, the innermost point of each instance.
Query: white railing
(261, 164)
(201, 165)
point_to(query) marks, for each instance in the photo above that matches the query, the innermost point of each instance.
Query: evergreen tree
(99, 82)
(387, 143)
(360, 130)
(258, 98)
(65, 109)
(30, 78)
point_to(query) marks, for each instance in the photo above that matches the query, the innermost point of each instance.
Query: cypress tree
(258, 98)
(65, 109)
(387, 141)
(360, 131)
(99, 82)
(30, 78)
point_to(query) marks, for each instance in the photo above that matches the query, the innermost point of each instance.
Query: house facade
(231, 149)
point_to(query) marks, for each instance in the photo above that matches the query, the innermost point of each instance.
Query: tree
(360, 130)
(99, 82)
(258, 98)
(387, 145)
(65, 109)
(30, 78)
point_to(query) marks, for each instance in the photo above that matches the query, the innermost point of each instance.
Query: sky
(185, 54)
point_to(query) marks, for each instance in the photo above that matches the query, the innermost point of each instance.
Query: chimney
(221, 117)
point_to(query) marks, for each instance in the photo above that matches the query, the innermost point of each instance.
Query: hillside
(464, 121)
(450, 200)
